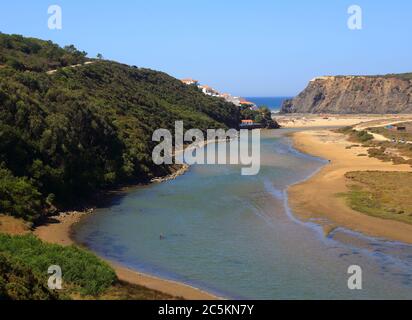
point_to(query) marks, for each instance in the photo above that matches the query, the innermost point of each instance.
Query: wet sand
(317, 197)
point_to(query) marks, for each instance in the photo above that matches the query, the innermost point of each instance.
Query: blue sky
(248, 48)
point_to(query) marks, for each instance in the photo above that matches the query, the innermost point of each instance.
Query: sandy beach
(317, 197)
(323, 121)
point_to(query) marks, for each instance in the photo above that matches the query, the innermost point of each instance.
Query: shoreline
(59, 230)
(316, 197)
(306, 199)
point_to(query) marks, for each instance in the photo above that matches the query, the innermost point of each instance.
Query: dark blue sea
(273, 103)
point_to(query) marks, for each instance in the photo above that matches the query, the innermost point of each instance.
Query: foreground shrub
(18, 282)
(18, 197)
(82, 270)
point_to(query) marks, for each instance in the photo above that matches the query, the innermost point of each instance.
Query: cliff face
(339, 95)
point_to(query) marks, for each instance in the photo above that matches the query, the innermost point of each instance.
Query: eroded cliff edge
(389, 94)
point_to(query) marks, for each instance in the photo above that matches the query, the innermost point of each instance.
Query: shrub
(18, 197)
(81, 269)
(18, 282)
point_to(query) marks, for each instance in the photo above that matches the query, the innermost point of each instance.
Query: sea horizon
(273, 103)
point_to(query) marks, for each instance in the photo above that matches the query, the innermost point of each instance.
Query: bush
(17, 282)
(18, 197)
(364, 136)
(82, 270)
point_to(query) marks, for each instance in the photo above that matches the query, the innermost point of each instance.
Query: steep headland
(389, 94)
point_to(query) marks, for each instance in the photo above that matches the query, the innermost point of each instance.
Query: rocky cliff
(354, 94)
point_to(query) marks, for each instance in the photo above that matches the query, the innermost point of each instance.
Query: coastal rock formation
(390, 94)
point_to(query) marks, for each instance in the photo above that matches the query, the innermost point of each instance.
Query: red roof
(243, 101)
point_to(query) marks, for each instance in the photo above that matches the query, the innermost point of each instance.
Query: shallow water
(235, 236)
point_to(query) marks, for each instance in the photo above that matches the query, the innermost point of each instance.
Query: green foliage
(363, 136)
(78, 130)
(22, 54)
(263, 116)
(18, 197)
(17, 282)
(82, 270)
(356, 136)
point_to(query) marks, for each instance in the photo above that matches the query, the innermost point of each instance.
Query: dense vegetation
(18, 282)
(263, 116)
(67, 134)
(36, 55)
(82, 271)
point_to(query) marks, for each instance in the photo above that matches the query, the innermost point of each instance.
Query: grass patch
(385, 195)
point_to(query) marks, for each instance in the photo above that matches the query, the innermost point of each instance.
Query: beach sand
(59, 230)
(317, 197)
(318, 121)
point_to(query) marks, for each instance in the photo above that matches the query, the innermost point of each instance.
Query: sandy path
(316, 198)
(379, 137)
(50, 72)
(59, 231)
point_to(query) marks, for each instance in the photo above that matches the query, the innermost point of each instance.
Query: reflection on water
(234, 235)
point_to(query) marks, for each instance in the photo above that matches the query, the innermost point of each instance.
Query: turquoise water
(234, 235)
(273, 103)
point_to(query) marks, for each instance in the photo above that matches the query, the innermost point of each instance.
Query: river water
(235, 236)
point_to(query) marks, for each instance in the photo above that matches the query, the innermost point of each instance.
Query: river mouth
(235, 236)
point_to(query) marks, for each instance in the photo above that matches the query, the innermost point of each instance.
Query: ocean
(273, 103)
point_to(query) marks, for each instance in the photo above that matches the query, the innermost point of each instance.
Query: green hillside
(36, 55)
(66, 134)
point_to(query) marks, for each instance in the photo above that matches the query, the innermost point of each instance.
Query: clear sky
(247, 48)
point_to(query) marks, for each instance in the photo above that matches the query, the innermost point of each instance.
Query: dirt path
(50, 72)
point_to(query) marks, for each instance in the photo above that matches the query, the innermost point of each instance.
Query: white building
(190, 82)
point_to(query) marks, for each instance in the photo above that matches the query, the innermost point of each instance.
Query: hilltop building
(247, 104)
(209, 91)
(214, 93)
(190, 82)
